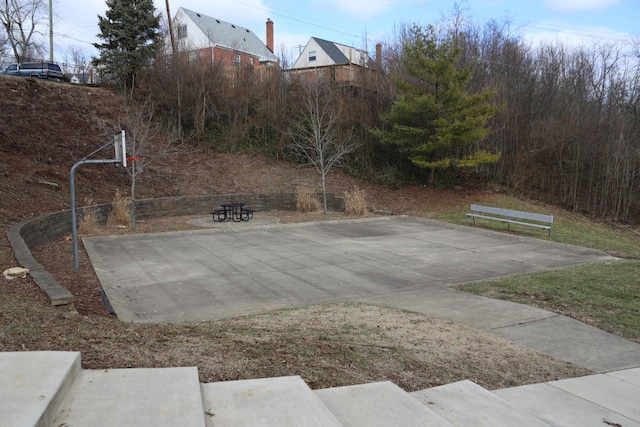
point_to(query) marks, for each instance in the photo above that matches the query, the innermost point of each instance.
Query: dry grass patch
(306, 200)
(355, 202)
(119, 215)
(88, 225)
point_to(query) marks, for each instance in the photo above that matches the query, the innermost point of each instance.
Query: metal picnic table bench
(232, 212)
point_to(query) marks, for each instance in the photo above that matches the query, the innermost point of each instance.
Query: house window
(312, 56)
(182, 32)
(362, 58)
(236, 61)
(193, 56)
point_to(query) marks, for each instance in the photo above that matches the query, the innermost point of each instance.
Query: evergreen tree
(435, 121)
(129, 30)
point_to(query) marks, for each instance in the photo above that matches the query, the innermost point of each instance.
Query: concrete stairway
(51, 389)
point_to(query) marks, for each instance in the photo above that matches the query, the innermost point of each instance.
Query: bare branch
(316, 135)
(20, 20)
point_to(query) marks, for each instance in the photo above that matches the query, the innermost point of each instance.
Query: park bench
(512, 217)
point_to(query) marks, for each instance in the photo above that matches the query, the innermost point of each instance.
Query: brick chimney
(270, 34)
(379, 56)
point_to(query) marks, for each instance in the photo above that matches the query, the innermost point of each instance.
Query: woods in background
(563, 126)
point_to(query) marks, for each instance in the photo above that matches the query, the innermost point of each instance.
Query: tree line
(560, 123)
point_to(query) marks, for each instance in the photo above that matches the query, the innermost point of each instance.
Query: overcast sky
(362, 23)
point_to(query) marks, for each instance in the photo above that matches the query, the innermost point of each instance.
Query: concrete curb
(58, 294)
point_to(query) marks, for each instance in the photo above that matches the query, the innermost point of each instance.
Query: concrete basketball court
(209, 274)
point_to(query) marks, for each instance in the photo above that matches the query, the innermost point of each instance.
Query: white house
(221, 42)
(325, 60)
(322, 53)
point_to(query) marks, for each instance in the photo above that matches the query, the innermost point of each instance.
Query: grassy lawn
(605, 295)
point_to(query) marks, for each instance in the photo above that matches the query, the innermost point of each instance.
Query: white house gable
(312, 56)
(323, 53)
(188, 34)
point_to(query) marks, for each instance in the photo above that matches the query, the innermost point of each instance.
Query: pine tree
(435, 121)
(129, 32)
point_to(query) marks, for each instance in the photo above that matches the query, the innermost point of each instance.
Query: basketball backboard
(120, 145)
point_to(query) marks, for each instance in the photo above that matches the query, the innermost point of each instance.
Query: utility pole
(173, 41)
(51, 30)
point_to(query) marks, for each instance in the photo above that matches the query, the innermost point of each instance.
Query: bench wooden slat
(506, 215)
(514, 214)
(546, 227)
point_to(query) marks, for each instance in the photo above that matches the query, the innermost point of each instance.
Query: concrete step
(378, 404)
(597, 400)
(277, 402)
(134, 397)
(465, 403)
(33, 384)
(51, 389)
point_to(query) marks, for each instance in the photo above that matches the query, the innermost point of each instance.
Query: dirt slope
(46, 127)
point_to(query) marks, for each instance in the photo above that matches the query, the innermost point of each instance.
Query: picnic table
(232, 212)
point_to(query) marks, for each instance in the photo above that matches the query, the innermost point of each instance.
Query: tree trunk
(132, 209)
(432, 177)
(324, 193)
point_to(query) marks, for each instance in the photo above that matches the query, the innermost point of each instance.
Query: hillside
(47, 127)
(50, 126)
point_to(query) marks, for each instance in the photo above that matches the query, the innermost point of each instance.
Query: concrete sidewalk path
(406, 262)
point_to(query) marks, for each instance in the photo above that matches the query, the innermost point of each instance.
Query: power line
(419, 4)
(305, 20)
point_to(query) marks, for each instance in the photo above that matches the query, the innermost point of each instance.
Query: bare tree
(147, 141)
(316, 136)
(285, 58)
(21, 20)
(4, 49)
(79, 60)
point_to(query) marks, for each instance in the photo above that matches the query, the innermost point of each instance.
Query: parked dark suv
(41, 70)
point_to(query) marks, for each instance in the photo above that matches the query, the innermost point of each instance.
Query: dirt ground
(327, 345)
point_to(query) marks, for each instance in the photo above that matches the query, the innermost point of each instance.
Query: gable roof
(339, 58)
(230, 35)
(332, 51)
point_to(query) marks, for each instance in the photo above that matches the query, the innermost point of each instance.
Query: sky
(363, 23)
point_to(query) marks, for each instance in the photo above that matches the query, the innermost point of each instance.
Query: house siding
(226, 57)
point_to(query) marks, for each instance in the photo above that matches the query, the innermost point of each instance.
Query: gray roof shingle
(332, 50)
(230, 35)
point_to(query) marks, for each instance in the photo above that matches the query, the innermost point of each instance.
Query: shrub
(119, 214)
(354, 202)
(305, 200)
